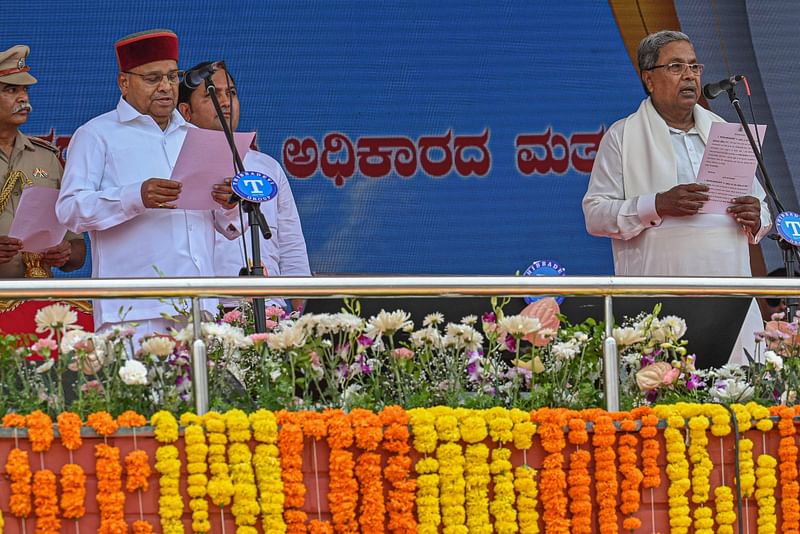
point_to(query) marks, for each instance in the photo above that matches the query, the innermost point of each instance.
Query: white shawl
(648, 159)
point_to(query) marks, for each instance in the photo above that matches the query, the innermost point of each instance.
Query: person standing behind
(285, 253)
(26, 161)
(116, 186)
(643, 193)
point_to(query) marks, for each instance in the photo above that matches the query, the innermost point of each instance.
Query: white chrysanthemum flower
(56, 317)
(732, 390)
(347, 323)
(470, 320)
(387, 323)
(731, 371)
(158, 346)
(133, 373)
(565, 351)
(292, 337)
(462, 336)
(771, 358)
(72, 338)
(229, 335)
(627, 336)
(429, 337)
(433, 319)
(520, 325)
(675, 325)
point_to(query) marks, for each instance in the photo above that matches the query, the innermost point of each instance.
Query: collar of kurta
(127, 113)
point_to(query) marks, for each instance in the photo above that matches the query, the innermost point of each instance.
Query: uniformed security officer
(25, 161)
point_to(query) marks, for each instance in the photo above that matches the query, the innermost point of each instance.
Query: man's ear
(122, 82)
(647, 80)
(186, 111)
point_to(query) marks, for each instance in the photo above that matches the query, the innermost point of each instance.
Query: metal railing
(399, 286)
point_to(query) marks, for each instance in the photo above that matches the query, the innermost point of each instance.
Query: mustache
(22, 107)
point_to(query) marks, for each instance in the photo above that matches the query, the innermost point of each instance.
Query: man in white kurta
(116, 187)
(284, 254)
(643, 192)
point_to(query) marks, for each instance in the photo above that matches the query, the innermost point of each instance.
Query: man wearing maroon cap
(26, 161)
(116, 186)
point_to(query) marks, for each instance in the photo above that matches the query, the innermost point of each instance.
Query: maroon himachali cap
(145, 47)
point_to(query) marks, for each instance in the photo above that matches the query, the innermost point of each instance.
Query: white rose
(133, 373)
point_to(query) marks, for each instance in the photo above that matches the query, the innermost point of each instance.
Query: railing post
(610, 360)
(199, 363)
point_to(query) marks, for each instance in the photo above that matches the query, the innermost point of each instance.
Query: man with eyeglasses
(285, 253)
(116, 186)
(643, 192)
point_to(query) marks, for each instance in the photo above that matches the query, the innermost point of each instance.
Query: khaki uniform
(38, 164)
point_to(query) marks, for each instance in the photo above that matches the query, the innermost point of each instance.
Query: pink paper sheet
(35, 222)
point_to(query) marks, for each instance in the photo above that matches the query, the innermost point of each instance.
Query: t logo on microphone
(787, 224)
(254, 186)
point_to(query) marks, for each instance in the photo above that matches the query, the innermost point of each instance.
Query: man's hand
(681, 201)
(222, 194)
(160, 193)
(58, 255)
(9, 247)
(747, 212)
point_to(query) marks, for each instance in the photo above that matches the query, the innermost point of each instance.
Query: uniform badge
(38, 172)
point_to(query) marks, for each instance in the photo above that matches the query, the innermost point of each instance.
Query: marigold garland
(45, 502)
(131, 419)
(69, 428)
(701, 473)
(368, 433)
(766, 481)
(747, 473)
(110, 499)
(290, 444)
(220, 487)
(630, 495)
(472, 427)
(19, 472)
(578, 479)
(677, 470)
(40, 431)
(73, 491)
(168, 464)
(603, 440)
(524, 475)
(400, 504)
(502, 505)
(423, 424)
(197, 469)
(723, 504)
(552, 478)
(790, 506)
(102, 423)
(650, 447)
(266, 462)
(245, 505)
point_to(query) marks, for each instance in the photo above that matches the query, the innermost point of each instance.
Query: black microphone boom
(713, 90)
(194, 78)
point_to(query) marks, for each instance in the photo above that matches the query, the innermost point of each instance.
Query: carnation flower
(133, 373)
(158, 346)
(233, 316)
(73, 340)
(403, 353)
(55, 317)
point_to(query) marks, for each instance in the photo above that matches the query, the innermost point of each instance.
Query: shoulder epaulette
(44, 144)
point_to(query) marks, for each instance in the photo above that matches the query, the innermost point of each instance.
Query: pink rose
(403, 353)
(232, 316)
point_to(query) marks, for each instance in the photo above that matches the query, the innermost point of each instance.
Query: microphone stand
(788, 250)
(255, 218)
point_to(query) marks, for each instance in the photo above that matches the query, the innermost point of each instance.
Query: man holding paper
(26, 161)
(116, 186)
(285, 253)
(643, 192)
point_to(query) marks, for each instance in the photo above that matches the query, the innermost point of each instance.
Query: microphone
(713, 90)
(195, 77)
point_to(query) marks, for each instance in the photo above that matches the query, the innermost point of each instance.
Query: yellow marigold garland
(766, 481)
(723, 504)
(677, 470)
(245, 505)
(73, 477)
(472, 427)
(525, 475)
(220, 487)
(197, 469)
(747, 473)
(267, 465)
(578, 479)
(502, 506)
(290, 443)
(400, 504)
(451, 471)
(630, 495)
(168, 464)
(368, 433)
(423, 425)
(701, 473)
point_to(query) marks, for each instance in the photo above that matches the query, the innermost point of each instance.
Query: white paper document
(729, 165)
(35, 222)
(205, 159)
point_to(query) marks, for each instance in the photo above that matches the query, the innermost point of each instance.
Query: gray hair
(650, 46)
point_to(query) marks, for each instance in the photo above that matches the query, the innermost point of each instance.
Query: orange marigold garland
(168, 464)
(630, 496)
(603, 440)
(73, 477)
(19, 471)
(290, 443)
(110, 499)
(790, 506)
(316, 427)
(368, 433)
(45, 494)
(267, 465)
(473, 430)
(137, 468)
(102, 423)
(552, 479)
(578, 479)
(400, 504)
(425, 439)
(343, 488)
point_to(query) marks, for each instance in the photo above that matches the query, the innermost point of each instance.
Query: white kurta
(108, 159)
(645, 244)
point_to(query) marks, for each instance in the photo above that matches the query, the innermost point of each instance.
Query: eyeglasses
(154, 78)
(679, 68)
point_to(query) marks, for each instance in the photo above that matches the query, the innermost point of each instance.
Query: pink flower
(671, 376)
(403, 353)
(93, 385)
(271, 324)
(232, 316)
(44, 346)
(546, 310)
(652, 376)
(259, 337)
